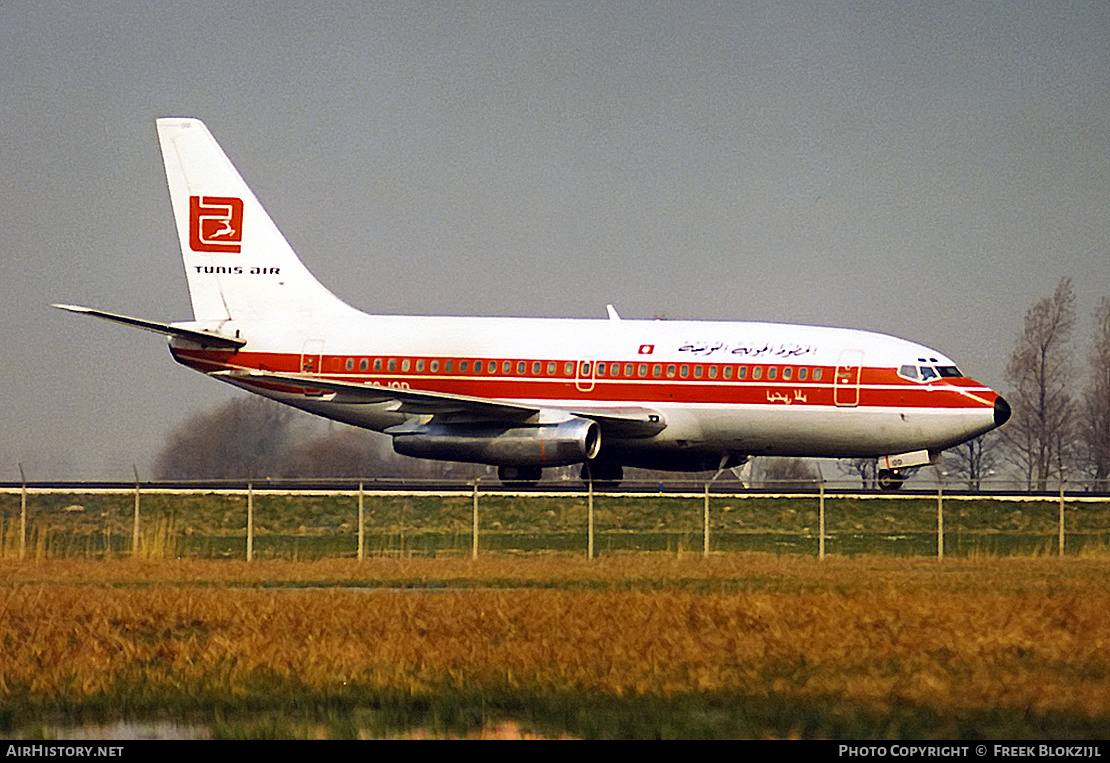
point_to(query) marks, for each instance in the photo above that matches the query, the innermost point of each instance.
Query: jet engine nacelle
(562, 443)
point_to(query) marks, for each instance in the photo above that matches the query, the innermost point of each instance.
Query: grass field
(628, 645)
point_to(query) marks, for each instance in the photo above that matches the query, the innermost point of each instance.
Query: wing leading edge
(632, 421)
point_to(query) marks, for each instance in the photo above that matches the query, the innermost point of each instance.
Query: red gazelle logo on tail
(215, 224)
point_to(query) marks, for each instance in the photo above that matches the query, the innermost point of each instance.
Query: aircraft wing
(618, 421)
(405, 400)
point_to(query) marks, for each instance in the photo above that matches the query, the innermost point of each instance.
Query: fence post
(940, 521)
(705, 525)
(135, 523)
(590, 516)
(1061, 523)
(250, 521)
(22, 514)
(361, 525)
(821, 518)
(474, 524)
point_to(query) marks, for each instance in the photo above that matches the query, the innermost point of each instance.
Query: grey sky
(925, 169)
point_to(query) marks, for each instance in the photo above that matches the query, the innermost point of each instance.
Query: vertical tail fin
(238, 264)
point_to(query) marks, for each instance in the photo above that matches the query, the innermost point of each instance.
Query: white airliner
(527, 393)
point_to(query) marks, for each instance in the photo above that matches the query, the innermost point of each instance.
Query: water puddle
(132, 730)
(117, 730)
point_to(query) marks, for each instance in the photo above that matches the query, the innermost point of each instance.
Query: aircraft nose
(1001, 411)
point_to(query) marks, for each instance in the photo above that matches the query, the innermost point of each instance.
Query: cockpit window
(923, 373)
(928, 373)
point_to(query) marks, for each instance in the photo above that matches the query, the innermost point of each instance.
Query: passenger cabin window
(362, 364)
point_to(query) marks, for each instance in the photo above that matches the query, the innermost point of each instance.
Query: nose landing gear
(891, 479)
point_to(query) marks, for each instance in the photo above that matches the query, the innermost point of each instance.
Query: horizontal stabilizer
(203, 338)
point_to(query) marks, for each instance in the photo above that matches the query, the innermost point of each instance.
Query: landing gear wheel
(890, 479)
(605, 476)
(519, 476)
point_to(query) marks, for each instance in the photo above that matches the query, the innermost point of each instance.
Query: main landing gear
(519, 476)
(605, 476)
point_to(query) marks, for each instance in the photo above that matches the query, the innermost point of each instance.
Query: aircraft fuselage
(743, 389)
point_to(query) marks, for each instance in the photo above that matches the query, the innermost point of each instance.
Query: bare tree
(253, 438)
(786, 474)
(246, 437)
(1094, 424)
(350, 452)
(867, 469)
(343, 452)
(974, 460)
(1039, 438)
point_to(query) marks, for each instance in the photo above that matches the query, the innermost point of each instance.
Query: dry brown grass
(1031, 637)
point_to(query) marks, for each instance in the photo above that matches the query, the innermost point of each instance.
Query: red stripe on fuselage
(878, 387)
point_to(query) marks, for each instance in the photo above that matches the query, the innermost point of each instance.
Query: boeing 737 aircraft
(525, 393)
